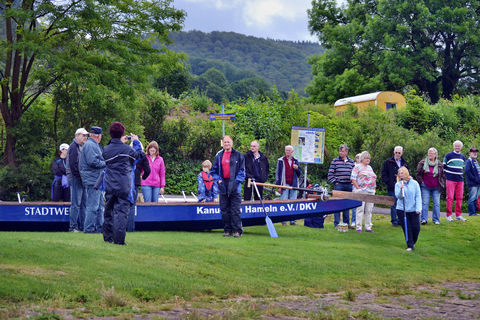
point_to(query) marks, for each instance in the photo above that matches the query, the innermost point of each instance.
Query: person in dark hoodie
(119, 159)
(229, 172)
(256, 167)
(389, 176)
(60, 186)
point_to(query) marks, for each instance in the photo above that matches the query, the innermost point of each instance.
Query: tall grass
(62, 269)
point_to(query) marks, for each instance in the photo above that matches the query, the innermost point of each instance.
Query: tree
(431, 45)
(105, 42)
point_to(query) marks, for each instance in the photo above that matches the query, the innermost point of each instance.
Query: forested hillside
(282, 63)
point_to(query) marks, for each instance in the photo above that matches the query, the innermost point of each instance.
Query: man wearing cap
(472, 174)
(77, 192)
(119, 182)
(91, 166)
(60, 187)
(453, 163)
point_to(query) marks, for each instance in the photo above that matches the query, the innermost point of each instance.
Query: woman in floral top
(364, 181)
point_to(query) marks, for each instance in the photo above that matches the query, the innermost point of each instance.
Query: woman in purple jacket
(155, 183)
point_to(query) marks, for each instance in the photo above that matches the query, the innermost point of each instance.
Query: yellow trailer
(385, 100)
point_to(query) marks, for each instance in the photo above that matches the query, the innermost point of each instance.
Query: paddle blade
(271, 228)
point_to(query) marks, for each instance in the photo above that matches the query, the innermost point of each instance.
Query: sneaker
(370, 230)
(424, 222)
(449, 218)
(395, 224)
(284, 223)
(293, 223)
(436, 222)
(352, 226)
(227, 234)
(359, 230)
(237, 235)
(460, 218)
(409, 249)
(474, 214)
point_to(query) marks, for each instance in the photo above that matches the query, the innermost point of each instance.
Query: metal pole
(223, 121)
(306, 165)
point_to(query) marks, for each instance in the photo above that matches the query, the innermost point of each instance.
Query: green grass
(66, 270)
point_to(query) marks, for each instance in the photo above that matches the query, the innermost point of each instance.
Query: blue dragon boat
(172, 216)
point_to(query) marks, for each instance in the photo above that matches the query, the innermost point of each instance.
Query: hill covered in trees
(282, 63)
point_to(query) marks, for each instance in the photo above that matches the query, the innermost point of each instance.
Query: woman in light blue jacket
(409, 206)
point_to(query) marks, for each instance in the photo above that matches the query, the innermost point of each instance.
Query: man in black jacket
(389, 176)
(256, 167)
(229, 172)
(77, 191)
(119, 159)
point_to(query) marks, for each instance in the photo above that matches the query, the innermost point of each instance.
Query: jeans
(393, 209)
(132, 212)
(346, 213)
(413, 227)
(289, 194)
(77, 207)
(435, 193)
(472, 199)
(150, 194)
(93, 210)
(454, 188)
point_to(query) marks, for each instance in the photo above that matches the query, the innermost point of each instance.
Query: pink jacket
(157, 174)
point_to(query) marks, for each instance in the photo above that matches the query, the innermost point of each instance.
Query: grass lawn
(76, 270)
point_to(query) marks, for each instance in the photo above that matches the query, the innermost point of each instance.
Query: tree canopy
(86, 44)
(374, 45)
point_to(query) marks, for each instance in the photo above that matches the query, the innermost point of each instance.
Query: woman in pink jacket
(155, 183)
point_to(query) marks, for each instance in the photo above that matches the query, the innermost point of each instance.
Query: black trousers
(231, 214)
(249, 193)
(115, 214)
(413, 226)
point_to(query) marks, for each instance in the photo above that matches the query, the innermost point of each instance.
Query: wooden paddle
(377, 199)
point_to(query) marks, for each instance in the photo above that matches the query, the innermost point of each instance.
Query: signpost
(223, 116)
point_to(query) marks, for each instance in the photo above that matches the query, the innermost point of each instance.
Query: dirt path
(457, 301)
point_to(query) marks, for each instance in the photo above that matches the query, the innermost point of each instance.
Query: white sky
(274, 19)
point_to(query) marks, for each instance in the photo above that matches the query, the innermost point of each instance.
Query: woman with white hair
(431, 178)
(364, 180)
(409, 206)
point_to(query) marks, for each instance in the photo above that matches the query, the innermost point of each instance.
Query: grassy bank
(69, 270)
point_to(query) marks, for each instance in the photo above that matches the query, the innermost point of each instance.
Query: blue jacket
(91, 163)
(471, 173)
(413, 196)
(203, 193)
(280, 173)
(237, 172)
(118, 173)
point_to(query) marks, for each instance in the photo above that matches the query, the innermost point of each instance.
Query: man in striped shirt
(339, 175)
(454, 162)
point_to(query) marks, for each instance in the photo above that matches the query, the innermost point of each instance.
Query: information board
(308, 144)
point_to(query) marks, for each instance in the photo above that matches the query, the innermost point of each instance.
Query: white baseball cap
(81, 131)
(64, 146)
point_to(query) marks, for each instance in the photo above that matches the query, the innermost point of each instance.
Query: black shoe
(395, 224)
(227, 234)
(237, 235)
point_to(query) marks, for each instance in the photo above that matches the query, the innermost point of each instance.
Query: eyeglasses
(396, 152)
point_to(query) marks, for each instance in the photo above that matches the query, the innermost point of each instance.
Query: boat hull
(49, 216)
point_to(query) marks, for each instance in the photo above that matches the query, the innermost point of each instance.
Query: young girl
(364, 180)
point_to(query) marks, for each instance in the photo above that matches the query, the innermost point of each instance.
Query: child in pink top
(155, 183)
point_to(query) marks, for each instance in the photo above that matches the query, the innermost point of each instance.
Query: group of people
(412, 197)
(103, 182)
(84, 169)
(231, 168)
